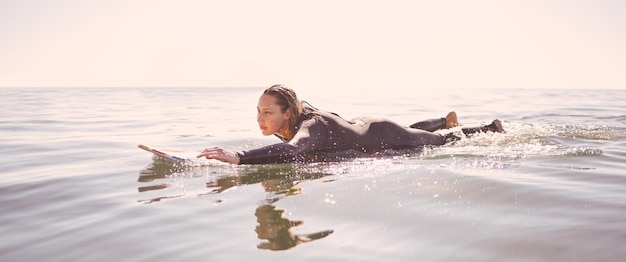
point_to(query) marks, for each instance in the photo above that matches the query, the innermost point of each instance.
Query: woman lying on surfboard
(308, 132)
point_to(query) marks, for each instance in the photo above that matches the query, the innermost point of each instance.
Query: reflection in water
(159, 169)
(279, 181)
(276, 229)
(283, 174)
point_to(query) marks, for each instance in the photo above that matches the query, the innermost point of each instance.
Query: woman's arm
(220, 154)
(312, 135)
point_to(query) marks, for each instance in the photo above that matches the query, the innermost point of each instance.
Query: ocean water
(75, 187)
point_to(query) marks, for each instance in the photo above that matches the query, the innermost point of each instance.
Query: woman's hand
(220, 154)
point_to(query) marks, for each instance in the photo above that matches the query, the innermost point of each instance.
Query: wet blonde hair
(288, 102)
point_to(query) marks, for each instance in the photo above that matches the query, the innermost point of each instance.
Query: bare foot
(497, 126)
(451, 120)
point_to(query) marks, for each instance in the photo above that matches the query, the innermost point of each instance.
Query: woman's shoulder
(312, 118)
(320, 117)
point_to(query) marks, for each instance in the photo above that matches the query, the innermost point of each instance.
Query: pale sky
(313, 44)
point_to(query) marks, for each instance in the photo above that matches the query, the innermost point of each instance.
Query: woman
(308, 132)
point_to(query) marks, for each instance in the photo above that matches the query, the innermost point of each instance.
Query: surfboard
(169, 154)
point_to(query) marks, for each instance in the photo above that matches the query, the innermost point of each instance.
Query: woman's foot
(496, 126)
(451, 120)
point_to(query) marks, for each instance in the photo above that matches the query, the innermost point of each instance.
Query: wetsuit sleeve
(312, 135)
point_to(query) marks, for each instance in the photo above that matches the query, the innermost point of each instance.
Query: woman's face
(270, 117)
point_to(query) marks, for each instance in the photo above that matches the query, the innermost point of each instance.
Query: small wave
(582, 151)
(586, 132)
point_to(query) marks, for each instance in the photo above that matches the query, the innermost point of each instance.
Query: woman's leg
(388, 135)
(426, 138)
(495, 126)
(432, 125)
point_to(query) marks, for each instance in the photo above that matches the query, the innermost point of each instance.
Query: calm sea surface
(75, 187)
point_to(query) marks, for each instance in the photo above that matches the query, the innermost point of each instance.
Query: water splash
(529, 140)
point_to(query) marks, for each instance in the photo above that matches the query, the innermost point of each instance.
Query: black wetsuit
(324, 133)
